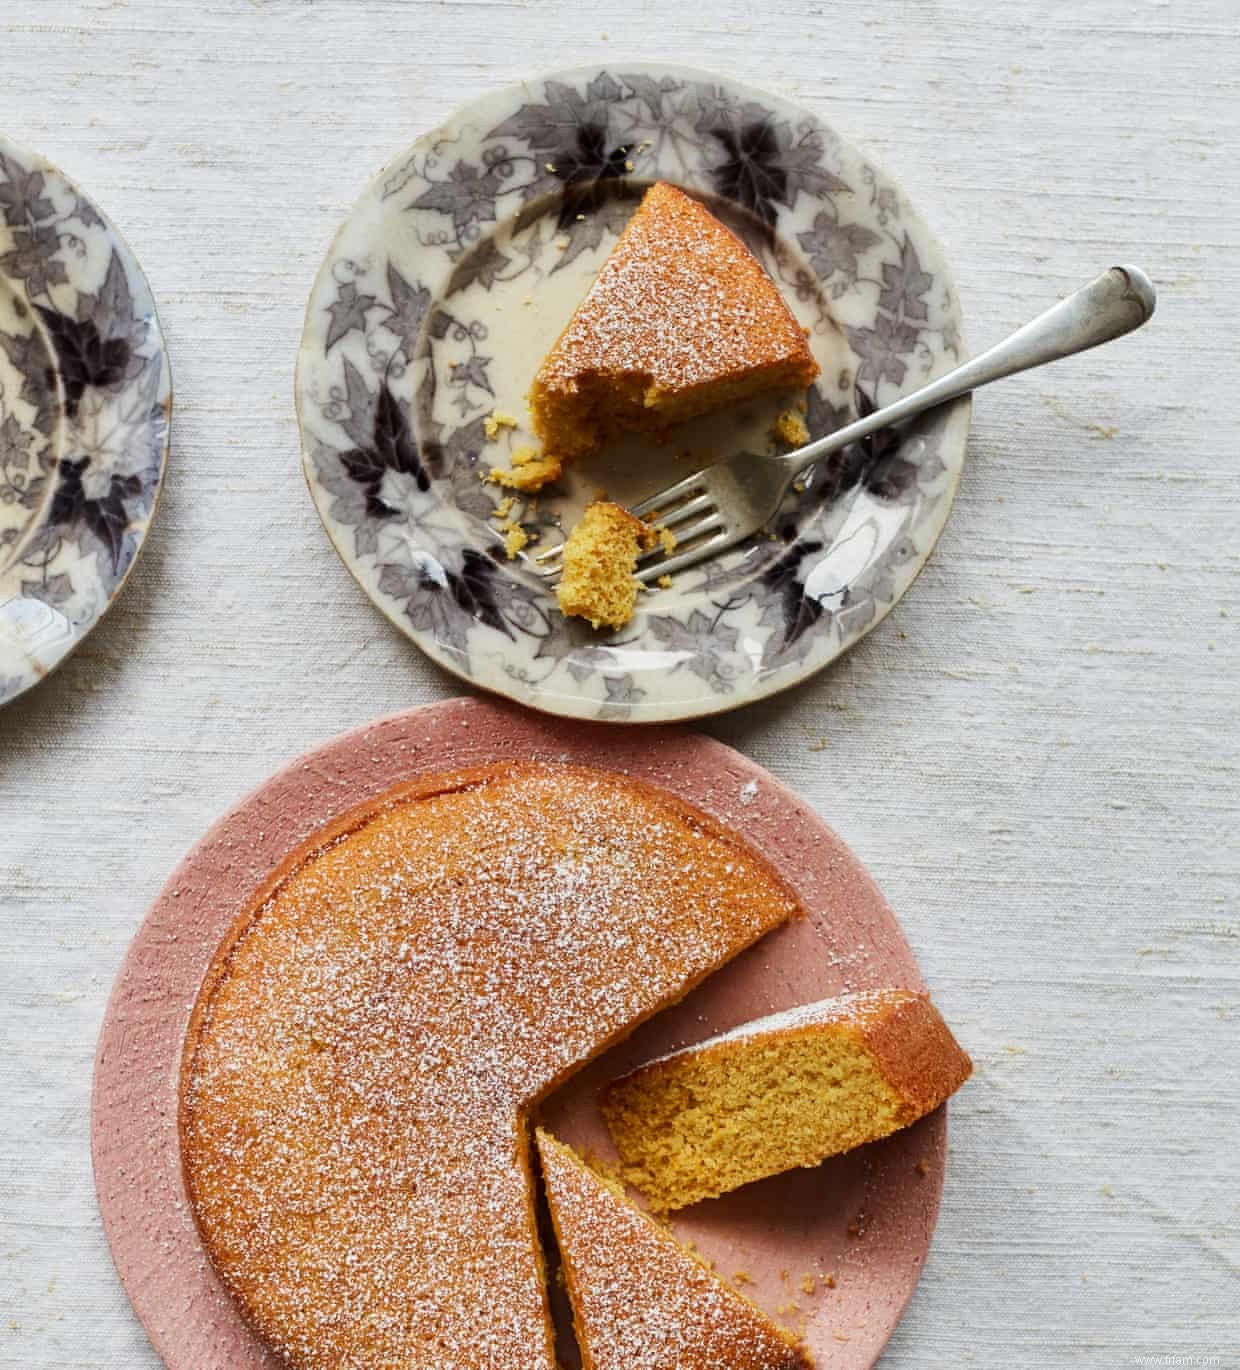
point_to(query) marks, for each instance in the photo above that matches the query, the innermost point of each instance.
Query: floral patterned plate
(85, 403)
(453, 276)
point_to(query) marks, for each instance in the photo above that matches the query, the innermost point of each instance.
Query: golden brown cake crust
(387, 1007)
(682, 319)
(640, 1300)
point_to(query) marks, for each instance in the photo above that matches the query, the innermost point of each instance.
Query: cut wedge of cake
(640, 1300)
(600, 557)
(681, 321)
(785, 1091)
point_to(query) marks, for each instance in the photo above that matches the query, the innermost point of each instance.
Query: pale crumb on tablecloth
(821, 745)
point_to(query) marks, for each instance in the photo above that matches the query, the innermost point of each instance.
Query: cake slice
(681, 321)
(640, 1300)
(600, 557)
(787, 1090)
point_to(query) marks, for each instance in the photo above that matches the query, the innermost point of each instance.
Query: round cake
(387, 1009)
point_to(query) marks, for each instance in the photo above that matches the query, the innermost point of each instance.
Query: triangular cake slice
(681, 321)
(784, 1091)
(640, 1300)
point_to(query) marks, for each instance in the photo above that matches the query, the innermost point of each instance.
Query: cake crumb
(561, 244)
(922, 1168)
(550, 166)
(790, 429)
(496, 421)
(665, 582)
(742, 1277)
(516, 541)
(828, 1281)
(667, 539)
(600, 557)
(809, 1284)
(530, 470)
(504, 507)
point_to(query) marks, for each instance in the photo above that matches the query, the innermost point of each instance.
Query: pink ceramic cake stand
(860, 1225)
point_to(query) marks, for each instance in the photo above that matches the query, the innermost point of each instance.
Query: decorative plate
(860, 1224)
(456, 272)
(85, 403)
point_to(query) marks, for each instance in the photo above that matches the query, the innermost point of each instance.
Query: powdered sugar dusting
(681, 300)
(640, 1301)
(844, 1008)
(354, 1115)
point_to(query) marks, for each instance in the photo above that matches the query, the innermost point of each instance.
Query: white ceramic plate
(85, 404)
(453, 276)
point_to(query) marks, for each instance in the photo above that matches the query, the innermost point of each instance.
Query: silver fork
(716, 508)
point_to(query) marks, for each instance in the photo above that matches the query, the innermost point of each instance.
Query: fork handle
(1118, 301)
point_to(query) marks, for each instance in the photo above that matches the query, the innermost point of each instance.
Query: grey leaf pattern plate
(454, 275)
(85, 403)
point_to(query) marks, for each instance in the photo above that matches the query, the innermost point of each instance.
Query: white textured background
(1038, 753)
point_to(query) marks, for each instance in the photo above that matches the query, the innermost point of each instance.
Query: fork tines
(685, 509)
